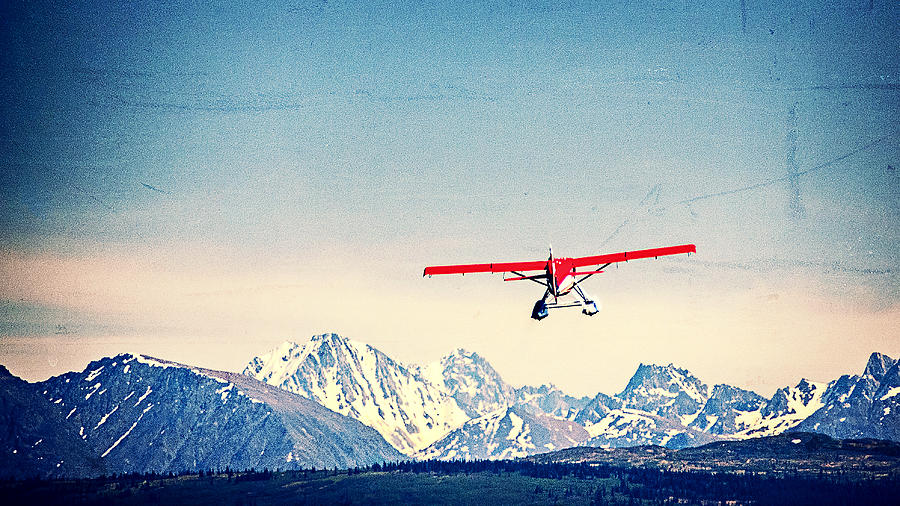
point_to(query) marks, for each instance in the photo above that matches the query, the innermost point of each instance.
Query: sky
(202, 182)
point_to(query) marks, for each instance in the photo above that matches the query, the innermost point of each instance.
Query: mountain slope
(509, 432)
(884, 415)
(631, 427)
(144, 414)
(845, 411)
(35, 439)
(787, 408)
(360, 381)
(551, 400)
(471, 381)
(597, 409)
(729, 410)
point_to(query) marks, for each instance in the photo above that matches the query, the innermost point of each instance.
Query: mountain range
(335, 402)
(660, 405)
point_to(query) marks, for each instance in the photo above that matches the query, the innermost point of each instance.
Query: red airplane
(561, 275)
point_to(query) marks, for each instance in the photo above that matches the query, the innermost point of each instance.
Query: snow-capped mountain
(787, 408)
(861, 406)
(509, 432)
(551, 400)
(134, 413)
(664, 405)
(845, 408)
(143, 414)
(878, 365)
(668, 406)
(359, 381)
(597, 408)
(655, 407)
(472, 381)
(666, 391)
(729, 410)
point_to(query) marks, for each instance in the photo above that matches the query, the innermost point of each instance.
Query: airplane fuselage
(561, 274)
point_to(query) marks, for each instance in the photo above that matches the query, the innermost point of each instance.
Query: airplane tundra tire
(540, 310)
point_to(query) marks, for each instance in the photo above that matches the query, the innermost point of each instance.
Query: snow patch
(127, 432)
(105, 417)
(141, 398)
(224, 391)
(93, 374)
(890, 393)
(143, 359)
(89, 394)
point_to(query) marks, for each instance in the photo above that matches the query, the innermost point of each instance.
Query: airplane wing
(633, 255)
(538, 265)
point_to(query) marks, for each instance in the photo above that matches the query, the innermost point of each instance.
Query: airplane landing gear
(540, 310)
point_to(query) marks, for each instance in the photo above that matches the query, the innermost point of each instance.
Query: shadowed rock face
(884, 415)
(878, 365)
(143, 414)
(36, 440)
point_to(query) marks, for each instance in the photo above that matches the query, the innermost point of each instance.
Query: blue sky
(317, 155)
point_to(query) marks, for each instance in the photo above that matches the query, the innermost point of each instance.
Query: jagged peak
(725, 387)
(669, 368)
(806, 384)
(878, 365)
(462, 353)
(291, 349)
(328, 336)
(644, 371)
(543, 388)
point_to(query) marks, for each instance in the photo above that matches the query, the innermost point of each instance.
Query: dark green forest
(458, 482)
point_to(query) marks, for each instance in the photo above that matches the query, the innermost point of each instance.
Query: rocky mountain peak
(360, 381)
(801, 400)
(729, 409)
(140, 413)
(666, 391)
(878, 365)
(471, 380)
